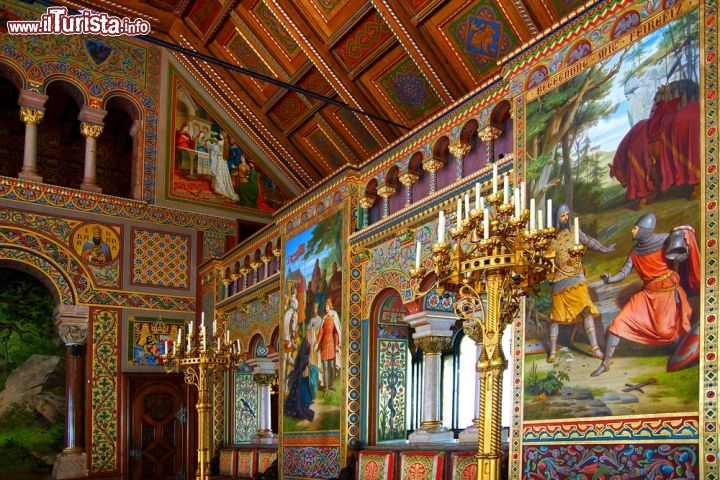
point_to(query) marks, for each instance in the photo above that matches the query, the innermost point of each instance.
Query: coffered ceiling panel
(324, 83)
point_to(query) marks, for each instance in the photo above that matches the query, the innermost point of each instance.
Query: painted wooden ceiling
(378, 68)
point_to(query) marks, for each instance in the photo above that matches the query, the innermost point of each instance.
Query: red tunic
(328, 338)
(659, 313)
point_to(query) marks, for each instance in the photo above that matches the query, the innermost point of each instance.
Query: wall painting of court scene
(311, 336)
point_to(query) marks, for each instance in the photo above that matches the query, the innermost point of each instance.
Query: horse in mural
(663, 150)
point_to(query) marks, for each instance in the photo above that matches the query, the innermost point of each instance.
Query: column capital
(31, 115)
(263, 365)
(432, 164)
(489, 133)
(459, 148)
(367, 202)
(386, 191)
(90, 130)
(264, 378)
(433, 343)
(71, 322)
(472, 329)
(409, 178)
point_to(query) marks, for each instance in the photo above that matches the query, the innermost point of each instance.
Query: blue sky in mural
(295, 252)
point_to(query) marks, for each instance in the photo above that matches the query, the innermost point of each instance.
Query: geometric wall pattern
(160, 259)
(245, 411)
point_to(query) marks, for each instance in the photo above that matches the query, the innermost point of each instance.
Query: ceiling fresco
(373, 69)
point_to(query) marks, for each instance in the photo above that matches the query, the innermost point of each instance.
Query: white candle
(523, 195)
(458, 219)
(506, 189)
(486, 224)
(202, 318)
(495, 179)
(191, 328)
(441, 227)
(577, 231)
(227, 336)
(467, 205)
(516, 198)
(540, 219)
(549, 212)
(532, 214)
(477, 196)
(214, 326)
(417, 256)
(179, 339)
(175, 348)
(482, 203)
(167, 348)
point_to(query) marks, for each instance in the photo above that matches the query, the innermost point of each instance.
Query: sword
(630, 387)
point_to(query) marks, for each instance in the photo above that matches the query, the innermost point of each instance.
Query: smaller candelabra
(201, 360)
(499, 252)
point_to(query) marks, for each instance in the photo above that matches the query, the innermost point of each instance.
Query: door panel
(157, 427)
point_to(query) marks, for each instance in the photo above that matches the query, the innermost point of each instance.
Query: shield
(687, 352)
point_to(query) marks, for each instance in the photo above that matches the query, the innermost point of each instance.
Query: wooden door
(158, 427)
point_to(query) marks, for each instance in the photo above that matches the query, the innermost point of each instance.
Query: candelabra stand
(492, 255)
(201, 361)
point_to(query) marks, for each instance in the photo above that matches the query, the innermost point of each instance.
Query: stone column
(91, 126)
(32, 111)
(459, 149)
(366, 204)
(244, 272)
(408, 179)
(386, 191)
(488, 135)
(266, 261)
(72, 325)
(255, 265)
(433, 335)
(432, 165)
(264, 373)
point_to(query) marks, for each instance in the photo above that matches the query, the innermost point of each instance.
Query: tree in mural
(326, 235)
(561, 120)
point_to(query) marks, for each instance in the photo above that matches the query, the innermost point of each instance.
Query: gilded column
(386, 191)
(432, 165)
(72, 326)
(366, 204)
(266, 261)
(408, 179)
(264, 373)
(255, 265)
(433, 334)
(244, 272)
(459, 149)
(91, 126)
(488, 135)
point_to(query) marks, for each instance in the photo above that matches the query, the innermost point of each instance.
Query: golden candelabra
(201, 360)
(495, 255)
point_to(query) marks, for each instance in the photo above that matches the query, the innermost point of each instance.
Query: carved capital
(409, 178)
(386, 191)
(73, 333)
(90, 130)
(265, 259)
(31, 115)
(432, 164)
(255, 264)
(433, 343)
(489, 133)
(264, 378)
(459, 149)
(473, 330)
(244, 271)
(276, 251)
(367, 202)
